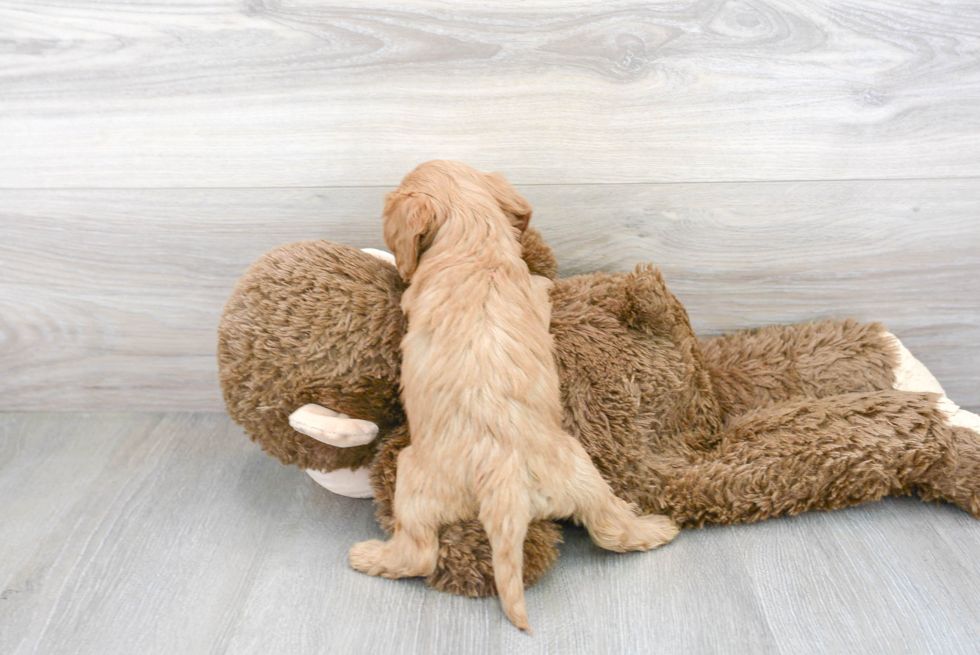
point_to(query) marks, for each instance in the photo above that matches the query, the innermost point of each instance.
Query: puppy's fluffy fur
(481, 391)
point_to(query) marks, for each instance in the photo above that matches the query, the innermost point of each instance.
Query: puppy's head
(411, 219)
(416, 210)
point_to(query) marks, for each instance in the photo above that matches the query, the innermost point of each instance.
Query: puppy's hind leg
(414, 548)
(610, 520)
(505, 514)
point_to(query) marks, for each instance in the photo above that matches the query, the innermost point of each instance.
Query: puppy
(480, 389)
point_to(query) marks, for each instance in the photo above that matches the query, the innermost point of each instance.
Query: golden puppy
(480, 389)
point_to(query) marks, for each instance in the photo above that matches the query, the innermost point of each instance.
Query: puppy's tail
(505, 517)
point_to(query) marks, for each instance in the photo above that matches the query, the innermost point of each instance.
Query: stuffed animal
(737, 428)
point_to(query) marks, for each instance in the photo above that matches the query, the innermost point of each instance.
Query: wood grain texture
(110, 298)
(164, 533)
(214, 93)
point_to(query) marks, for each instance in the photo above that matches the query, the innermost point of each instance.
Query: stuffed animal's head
(320, 322)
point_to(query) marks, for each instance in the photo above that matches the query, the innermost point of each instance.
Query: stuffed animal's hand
(332, 428)
(342, 431)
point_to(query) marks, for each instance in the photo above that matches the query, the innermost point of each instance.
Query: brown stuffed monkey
(737, 428)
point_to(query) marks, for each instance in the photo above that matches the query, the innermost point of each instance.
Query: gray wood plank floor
(171, 533)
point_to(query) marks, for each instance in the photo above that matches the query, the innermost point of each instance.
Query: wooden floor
(171, 533)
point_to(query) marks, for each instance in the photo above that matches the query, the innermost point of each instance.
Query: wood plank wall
(781, 160)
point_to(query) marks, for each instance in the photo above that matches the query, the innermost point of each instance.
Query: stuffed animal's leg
(823, 454)
(958, 480)
(414, 548)
(753, 368)
(910, 374)
(611, 521)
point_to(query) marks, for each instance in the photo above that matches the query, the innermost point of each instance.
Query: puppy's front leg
(414, 548)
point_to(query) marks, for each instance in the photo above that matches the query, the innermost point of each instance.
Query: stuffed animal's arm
(332, 427)
(342, 431)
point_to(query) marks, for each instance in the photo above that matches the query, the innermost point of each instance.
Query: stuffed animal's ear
(513, 203)
(407, 219)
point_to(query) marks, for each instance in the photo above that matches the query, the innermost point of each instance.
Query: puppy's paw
(369, 557)
(649, 532)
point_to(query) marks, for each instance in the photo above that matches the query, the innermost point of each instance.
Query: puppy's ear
(513, 203)
(408, 217)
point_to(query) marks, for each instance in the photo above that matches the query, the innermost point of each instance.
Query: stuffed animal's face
(312, 322)
(321, 322)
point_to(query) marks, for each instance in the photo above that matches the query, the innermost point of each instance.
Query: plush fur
(732, 429)
(481, 391)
